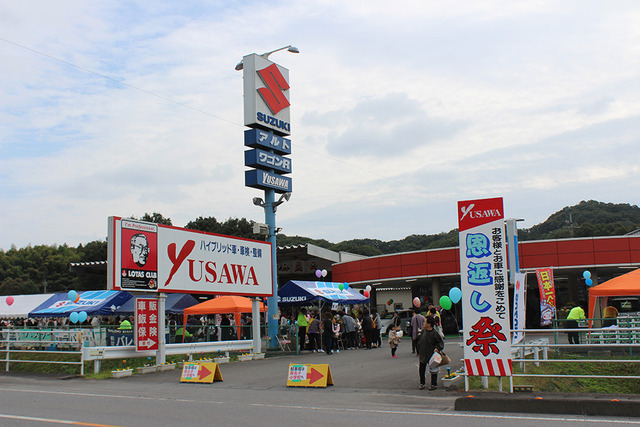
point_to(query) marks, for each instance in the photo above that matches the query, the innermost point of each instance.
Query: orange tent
(625, 285)
(223, 305)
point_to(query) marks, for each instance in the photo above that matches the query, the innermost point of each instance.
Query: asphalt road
(370, 388)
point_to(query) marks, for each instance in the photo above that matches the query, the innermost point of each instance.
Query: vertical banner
(547, 296)
(146, 322)
(485, 292)
(519, 306)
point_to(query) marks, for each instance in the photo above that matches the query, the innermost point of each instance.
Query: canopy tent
(22, 305)
(174, 304)
(626, 285)
(94, 303)
(300, 292)
(224, 305)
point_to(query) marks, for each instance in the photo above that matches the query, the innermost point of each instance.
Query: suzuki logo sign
(272, 94)
(266, 95)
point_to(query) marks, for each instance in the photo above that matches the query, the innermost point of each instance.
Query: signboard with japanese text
(139, 249)
(309, 375)
(259, 138)
(200, 372)
(257, 178)
(519, 306)
(547, 296)
(146, 323)
(264, 160)
(484, 285)
(190, 261)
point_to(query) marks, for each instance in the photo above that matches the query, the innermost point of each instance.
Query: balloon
(366, 294)
(72, 295)
(455, 294)
(346, 285)
(416, 302)
(341, 287)
(586, 274)
(324, 273)
(389, 302)
(318, 273)
(589, 282)
(368, 288)
(445, 302)
(9, 300)
(82, 316)
(77, 298)
(74, 317)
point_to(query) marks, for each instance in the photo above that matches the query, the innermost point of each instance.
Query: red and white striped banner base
(488, 367)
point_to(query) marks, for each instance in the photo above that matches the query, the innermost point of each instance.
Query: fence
(41, 344)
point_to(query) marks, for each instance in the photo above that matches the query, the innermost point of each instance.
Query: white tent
(22, 305)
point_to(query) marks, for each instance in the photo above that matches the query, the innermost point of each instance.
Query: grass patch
(582, 366)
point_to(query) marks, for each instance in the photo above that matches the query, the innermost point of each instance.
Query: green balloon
(341, 287)
(445, 302)
(391, 301)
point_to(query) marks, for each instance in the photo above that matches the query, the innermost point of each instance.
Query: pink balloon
(416, 302)
(9, 300)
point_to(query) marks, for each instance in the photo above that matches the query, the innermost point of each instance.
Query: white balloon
(324, 273)
(368, 288)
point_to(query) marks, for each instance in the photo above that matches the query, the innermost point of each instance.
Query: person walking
(394, 341)
(302, 327)
(417, 323)
(429, 341)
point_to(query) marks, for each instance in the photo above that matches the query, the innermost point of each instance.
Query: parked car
(405, 321)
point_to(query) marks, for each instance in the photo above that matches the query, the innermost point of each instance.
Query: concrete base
(536, 403)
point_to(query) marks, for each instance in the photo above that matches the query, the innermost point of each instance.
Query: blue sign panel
(259, 138)
(264, 160)
(257, 178)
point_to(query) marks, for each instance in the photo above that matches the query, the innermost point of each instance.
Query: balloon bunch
(455, 295)
(73, 296)
(76, 316)
(367, 291)
(343, 286)
(587, 278)
(390, 302)
(321, 273)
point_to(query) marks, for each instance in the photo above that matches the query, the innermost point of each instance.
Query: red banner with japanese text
(547, 296)
(146, 324)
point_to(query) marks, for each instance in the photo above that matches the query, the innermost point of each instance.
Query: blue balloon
(455, 294)
(346, 285)
(589, 282)
(74, 317)
(72, 295)
(82, 316)
(586, 274)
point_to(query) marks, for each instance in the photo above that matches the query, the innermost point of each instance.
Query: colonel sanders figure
(139, 249)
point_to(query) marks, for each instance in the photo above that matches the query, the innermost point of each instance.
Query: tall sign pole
(267, 114)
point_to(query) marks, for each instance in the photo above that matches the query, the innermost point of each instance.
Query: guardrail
(108, 352)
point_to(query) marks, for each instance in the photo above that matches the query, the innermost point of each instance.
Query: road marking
(320, 408)
(53, 420)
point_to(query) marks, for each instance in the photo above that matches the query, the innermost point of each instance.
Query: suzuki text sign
(485, 294)
(185, 261)
(266, 95)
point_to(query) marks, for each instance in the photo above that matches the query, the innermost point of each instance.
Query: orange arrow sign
(314, 375)
(203, 372)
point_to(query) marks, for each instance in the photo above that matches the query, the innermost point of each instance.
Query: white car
(405, 321)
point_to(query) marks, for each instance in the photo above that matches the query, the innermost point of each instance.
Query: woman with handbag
(429, 342)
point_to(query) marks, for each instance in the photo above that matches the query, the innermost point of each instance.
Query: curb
(612, 407)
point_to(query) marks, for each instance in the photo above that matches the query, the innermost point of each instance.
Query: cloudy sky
(399, 110)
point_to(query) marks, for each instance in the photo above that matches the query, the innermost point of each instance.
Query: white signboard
(266, 95)
(485, 292)
(157, 258)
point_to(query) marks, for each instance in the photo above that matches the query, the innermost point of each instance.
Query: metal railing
(42, 343)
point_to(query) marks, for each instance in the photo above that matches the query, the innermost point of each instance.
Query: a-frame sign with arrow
(309, 376)
(200, 372)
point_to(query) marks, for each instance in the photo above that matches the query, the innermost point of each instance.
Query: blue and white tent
(302, 292)
(94, 303)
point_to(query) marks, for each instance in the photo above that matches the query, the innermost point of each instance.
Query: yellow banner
(309, 376)
(200, 372)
